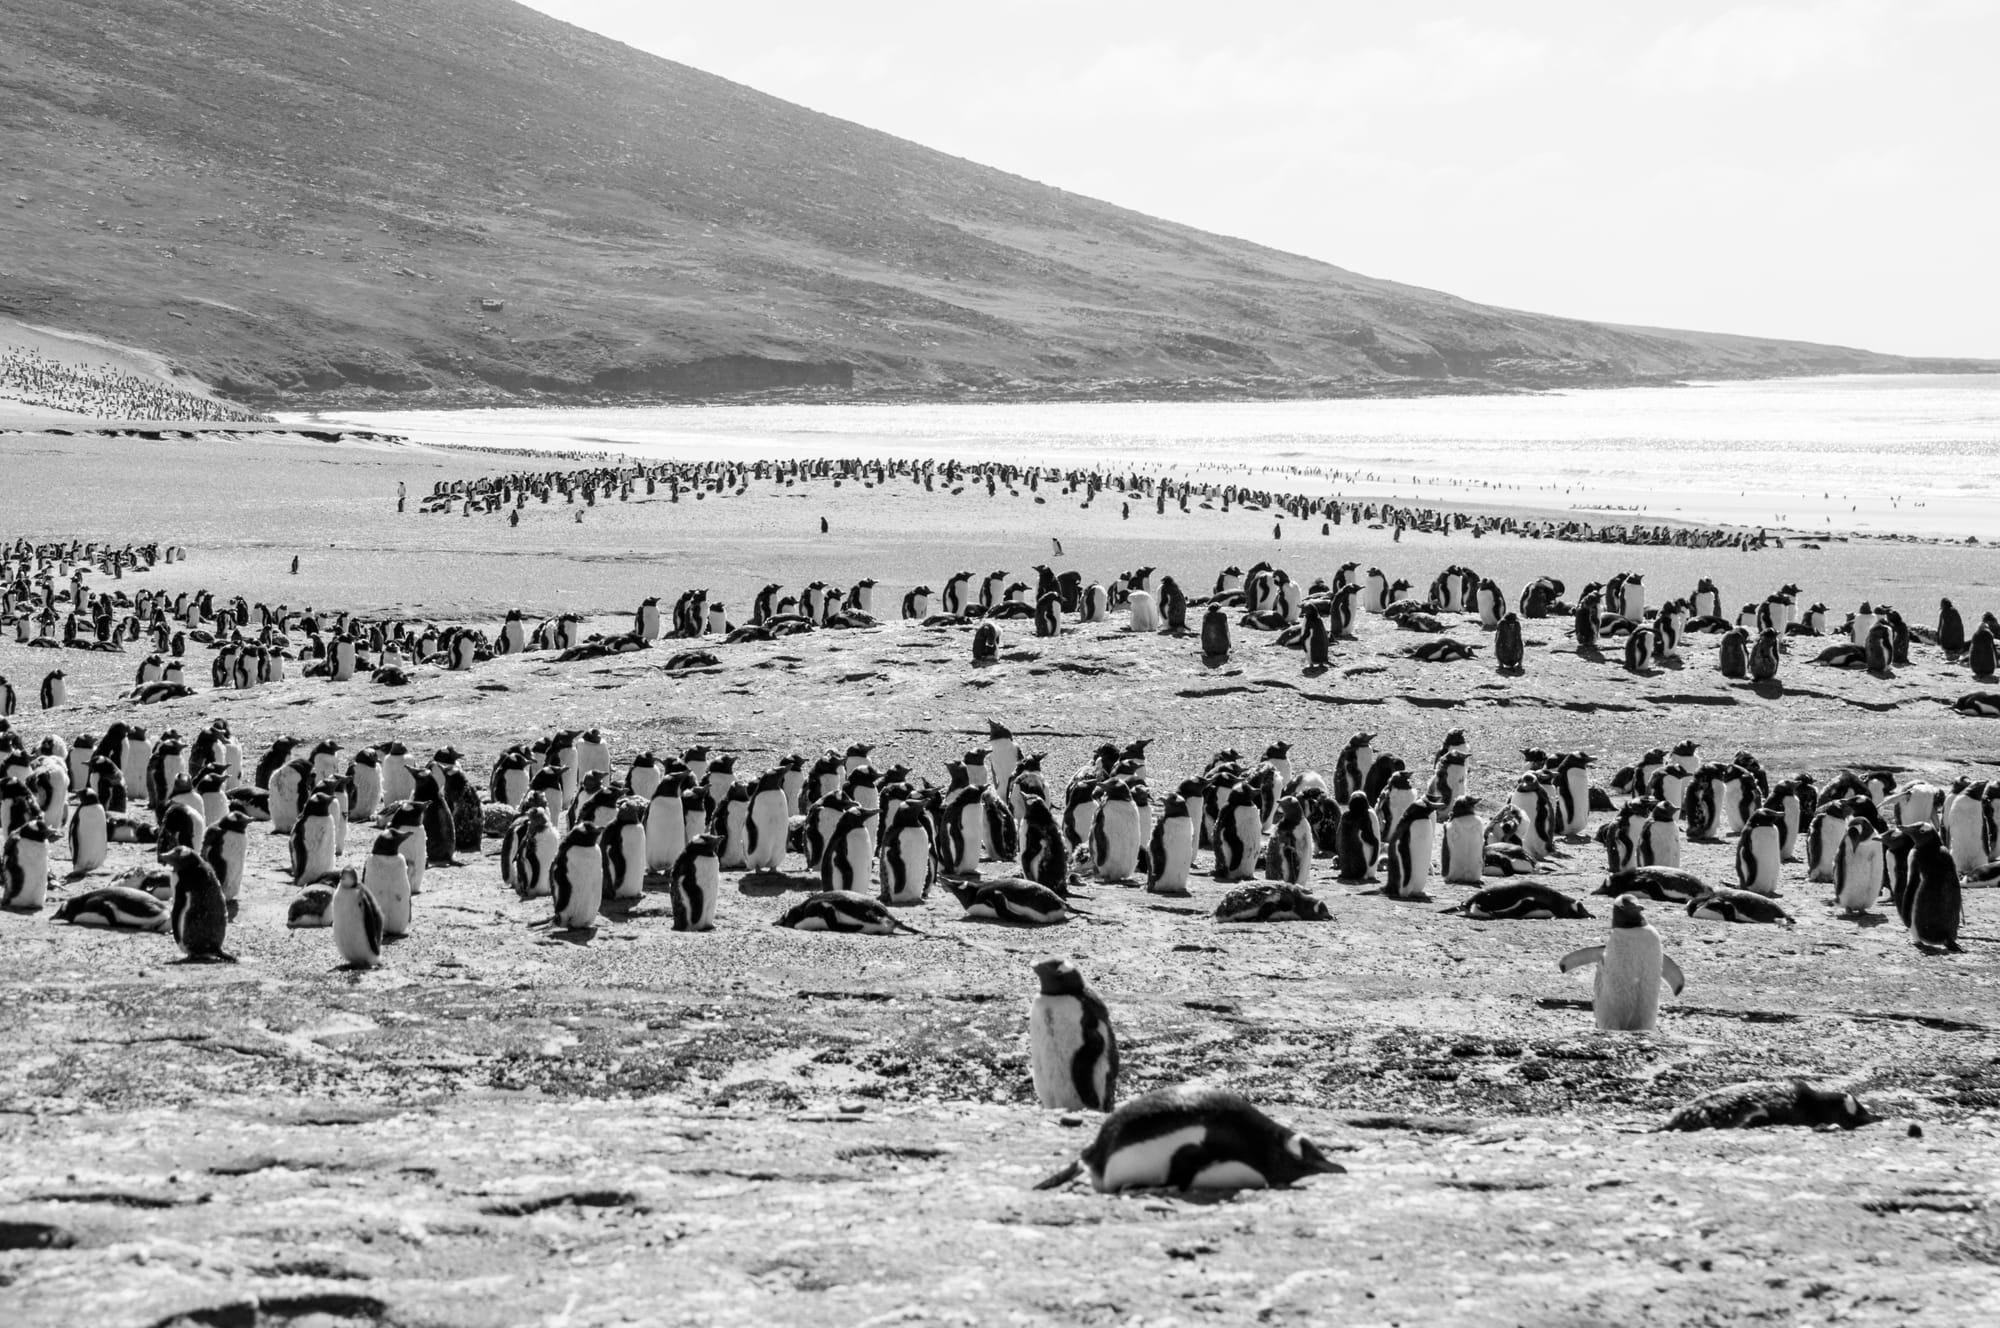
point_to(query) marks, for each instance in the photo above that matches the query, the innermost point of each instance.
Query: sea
(1869, 454)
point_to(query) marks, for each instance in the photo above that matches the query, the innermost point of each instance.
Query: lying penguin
(1190, 1138)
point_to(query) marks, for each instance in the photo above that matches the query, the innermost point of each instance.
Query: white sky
(1828, 170)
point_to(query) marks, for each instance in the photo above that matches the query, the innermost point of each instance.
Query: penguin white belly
(911, 849)
(1860, 876)
(1627, 990)
(351, 931)
(88, 840)
(666, 833)
(767, 810)
(230, 877)
(1147, 1163)
(387, 881)
(1055, 1036)
(1532, 842)
(317, 839)
(539, 856)
(972, 839)
(585, 867)
(1417, 870)
(1118, 841)
(1964, 826)
(1249, 832)
(1662, 845)
(735, 836)
(28, 878)
(631, 882)
(1758, 860)
(416, 849)
(1464, 851)
(708, 882)
(1821, 847)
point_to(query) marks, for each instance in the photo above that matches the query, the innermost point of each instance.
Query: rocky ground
(505, 1125)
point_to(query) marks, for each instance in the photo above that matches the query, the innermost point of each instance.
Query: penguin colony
(46, 602)
(587, 829)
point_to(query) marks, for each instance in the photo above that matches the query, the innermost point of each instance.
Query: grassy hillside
(316, 201)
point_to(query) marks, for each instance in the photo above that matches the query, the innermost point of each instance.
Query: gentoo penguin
(290, 785)
(313, 850)
(357, 922)
(767, 816)
(1701, 808)
(1572, 792)
(1009, 900)
(385, 877)
(1191, 1138)
(1072, 1050)
(1859, 868)
(909, 860)
(1757, 855)
(850, 850)
(694, 883)
(1626, 995)
(180, 826)
(1537, 823)
(1660, 838)
(1765, 656)
(88, 837)
(1407, 852)
(1734, 659)
(961, 832)
(1238, 835)
(1271, 901)
(1518, 900)
(1215, 633)
(1747, 906)
(1357, 841)
(24, 866)
(1171, 853)
(1462, 852)
(985, 643)
(1770, 1102)
(730, 824)
(200, 916)
(1043, 858)
(114, 907)
(223, 846)
(666, 823)
(55, 689)
(1114, 835)
(1350, 771)
(1936, 904)
(577, 878)
(535, 849)
(1003, 754)
(1509, 651)
(624, 846)
(1288, 851)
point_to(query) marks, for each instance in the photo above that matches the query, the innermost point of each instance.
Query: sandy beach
(505, 1125)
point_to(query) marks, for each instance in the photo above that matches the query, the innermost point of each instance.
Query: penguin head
(1627, 911)
(1308, 1160)
(1059, 977)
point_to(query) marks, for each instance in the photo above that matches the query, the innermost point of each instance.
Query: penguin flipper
(1063, 1177)
(1592, 954)
(1672, 973)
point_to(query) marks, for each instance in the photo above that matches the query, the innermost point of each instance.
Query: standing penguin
(357, 922)
(1950, 630)
(961, 832)
(577, 878)
(666, 823)
(88, 834)
(1462, 852)
(1509, 651)
(1114, 835)
(624, 846)
(385, 878)
(1735, 657)
(1357, 842)
(1936, 904)
(312, 841)
(909, 859)
(1660, 839)
(535, 848)
(694, 883)
(1238, 835)
(223, 847)
(1072, 1051)
(1407, 851)
(1859, 869)
(730, 824)
(200, 914)
(764, 828)
(1981, 654)
(1626, 995)
(1043, 857)
(1757, 853)
(55, 690)
(1171, 853)
(24, 866)
(850, 851)
(1215, 633)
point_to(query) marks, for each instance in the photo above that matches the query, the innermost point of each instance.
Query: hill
(311, 202)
